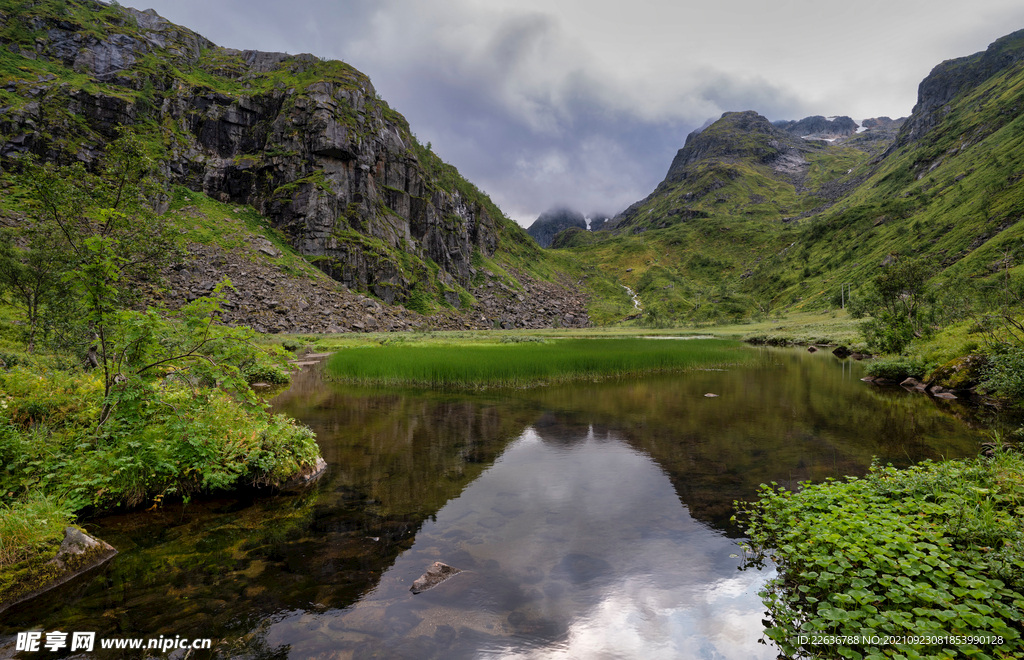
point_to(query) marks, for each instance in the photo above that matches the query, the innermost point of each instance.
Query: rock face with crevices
(308, 143)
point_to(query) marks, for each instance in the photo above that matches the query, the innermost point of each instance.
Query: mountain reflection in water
(573, 547)
(592, 520)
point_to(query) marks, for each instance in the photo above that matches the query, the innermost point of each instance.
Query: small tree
(102, 238)
(899, 303)
(30, 274)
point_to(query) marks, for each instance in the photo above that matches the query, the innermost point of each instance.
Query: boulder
(437, 573)
(960, 374)
(77, 554)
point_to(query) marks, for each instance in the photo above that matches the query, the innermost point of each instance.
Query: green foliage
(896, 368)
(933, 550)
(1004, 376)
(266, 373)
(900, 303)
(31, 527)
(419, 300)
(181, 420)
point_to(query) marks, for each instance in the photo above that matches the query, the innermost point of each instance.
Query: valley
(187, 230)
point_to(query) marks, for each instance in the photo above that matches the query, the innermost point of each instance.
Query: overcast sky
(585, 102)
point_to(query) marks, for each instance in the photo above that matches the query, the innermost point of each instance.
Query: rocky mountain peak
(818, 127)
(305, 141)
(953, 77)
(737, 135)
(549, 223)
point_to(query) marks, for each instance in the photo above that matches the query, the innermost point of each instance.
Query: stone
(812, 349)
(307, 476)
(437, 573)
(77, 554)
(962, 373)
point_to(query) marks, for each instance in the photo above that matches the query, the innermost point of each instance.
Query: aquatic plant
(527, 363)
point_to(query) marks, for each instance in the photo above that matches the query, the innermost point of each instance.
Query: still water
(590, 521)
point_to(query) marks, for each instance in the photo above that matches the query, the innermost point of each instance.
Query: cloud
(584, 103)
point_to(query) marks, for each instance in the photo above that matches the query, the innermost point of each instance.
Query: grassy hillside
(730, 237)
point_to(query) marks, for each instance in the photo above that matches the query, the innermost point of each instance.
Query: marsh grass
(525, 364)
(31, 526)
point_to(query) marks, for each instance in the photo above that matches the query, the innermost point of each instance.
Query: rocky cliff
(549, 223)
(952, 78)
(308, 143)
(819, 128)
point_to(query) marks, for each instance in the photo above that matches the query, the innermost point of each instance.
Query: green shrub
(266, 373)
(896, 368)
(1004, 376)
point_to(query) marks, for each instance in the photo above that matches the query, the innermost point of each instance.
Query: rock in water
(435, 575)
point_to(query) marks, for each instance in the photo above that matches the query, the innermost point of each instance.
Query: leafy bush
(933, 550)
(175, 441)
(266, 373)
(1004, 376)
(896, 368)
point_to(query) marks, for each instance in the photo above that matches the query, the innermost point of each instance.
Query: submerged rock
(435, 575)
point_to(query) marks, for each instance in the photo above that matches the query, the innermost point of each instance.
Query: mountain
(308, 143)
(551, 222)
(751, 217)
(819, 128)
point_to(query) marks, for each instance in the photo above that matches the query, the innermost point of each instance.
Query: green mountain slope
(307, 143)
(750, 218)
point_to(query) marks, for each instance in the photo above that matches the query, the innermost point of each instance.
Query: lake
(589, 520)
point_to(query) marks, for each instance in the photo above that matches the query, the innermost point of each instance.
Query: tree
(100, 237)
(900, 304)
(30, 274)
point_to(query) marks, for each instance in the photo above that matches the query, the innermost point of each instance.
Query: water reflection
(592, 519)
(574, 546)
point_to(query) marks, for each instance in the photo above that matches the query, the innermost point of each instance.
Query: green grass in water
(528, 364)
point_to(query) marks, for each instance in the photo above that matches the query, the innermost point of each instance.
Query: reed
(527, 364)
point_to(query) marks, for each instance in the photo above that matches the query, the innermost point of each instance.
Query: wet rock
(307, 475)
(913, 384)
(435, 575)
(841, 352)
(77, 554)
(812, 349)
